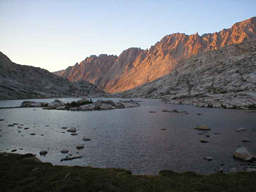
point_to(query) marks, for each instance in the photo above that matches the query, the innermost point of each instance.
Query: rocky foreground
(27, 173)
(82, 105)
(222, 78)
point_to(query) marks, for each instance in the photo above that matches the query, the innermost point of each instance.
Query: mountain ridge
(22, 82)
(135, 66)
(220, 78)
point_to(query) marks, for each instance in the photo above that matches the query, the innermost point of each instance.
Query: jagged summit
(135, 66)
(221, 78)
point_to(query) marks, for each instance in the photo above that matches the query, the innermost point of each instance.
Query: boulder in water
(243, 154)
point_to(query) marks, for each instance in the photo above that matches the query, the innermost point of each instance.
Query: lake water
(131, 138)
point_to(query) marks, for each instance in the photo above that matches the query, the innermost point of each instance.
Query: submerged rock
(86, 139)
(208, 158)
(204, 141)
(64, 151)
(246, 140)
(68, 158)
(221, 170)
(72, 130)
(241, 129)
(166, 110)
(174, 111)
(202, 128)
(80, 146)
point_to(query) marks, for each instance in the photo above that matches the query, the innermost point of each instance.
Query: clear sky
(54, 34)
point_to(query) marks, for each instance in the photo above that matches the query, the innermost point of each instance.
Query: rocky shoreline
(242, 100)
(27, 173)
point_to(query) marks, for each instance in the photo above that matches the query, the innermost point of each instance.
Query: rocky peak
(90, 69)
(129, 55)
(134, 66)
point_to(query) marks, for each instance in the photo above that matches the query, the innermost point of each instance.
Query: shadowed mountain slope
(21, 81)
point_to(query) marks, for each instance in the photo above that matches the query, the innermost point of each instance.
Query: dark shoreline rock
(43, 152)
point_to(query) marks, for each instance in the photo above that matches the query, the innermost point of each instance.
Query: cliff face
(20, 81)
(89, 69)
(134, 66)
(219, 78)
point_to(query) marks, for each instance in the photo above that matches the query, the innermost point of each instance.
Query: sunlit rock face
(220, 78)
(21, 81)
(134, 66)
(91, 69)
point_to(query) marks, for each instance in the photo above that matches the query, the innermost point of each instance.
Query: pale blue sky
(55, 34)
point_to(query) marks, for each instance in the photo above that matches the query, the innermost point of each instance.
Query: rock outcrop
(135, 67)
(222, 78)
(82, 105)
(20, 81)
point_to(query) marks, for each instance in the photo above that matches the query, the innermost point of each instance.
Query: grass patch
(26, 173)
